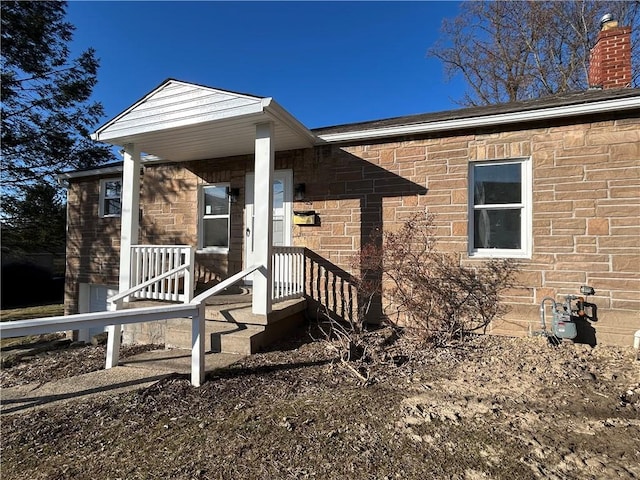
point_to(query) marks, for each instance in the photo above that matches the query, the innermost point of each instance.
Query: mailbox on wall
(307, 217)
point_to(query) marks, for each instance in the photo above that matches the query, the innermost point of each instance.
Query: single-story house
(237, 179)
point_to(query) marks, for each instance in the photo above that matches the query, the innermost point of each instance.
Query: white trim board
(486, 120)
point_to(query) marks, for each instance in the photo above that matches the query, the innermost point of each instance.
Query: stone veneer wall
(93, 243)
(586, 212)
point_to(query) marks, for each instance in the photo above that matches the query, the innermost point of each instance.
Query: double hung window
(214, 218)
(110, 197)
(500, 208)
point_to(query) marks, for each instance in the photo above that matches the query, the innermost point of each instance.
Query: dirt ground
(493, 408)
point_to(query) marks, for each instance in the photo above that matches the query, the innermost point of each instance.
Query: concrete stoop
(229, 328)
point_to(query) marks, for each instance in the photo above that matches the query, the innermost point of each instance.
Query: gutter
(616, 105)
(64, 177)
(278, 113)
(89, 173)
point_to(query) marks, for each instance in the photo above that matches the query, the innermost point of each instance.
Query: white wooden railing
(154, 261)
(83, 321)
(287, 273)
(288, 280)
(115, 302)
(194, 310)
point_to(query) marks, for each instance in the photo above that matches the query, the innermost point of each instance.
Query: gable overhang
(524, 116)
(180, 121)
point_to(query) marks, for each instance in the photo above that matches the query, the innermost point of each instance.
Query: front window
(110, 197)
(214, 231)
(501, 202)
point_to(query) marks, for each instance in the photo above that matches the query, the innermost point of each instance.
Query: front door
(282, 212)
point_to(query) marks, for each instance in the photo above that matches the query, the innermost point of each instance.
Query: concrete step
(220, 337)
(238, 330)
(230, 327)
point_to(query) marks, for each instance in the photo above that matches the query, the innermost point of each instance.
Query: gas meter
(566, 314)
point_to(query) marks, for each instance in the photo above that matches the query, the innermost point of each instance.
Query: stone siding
(93, 243)
(586, 210)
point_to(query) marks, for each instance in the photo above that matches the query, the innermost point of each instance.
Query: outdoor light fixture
(233, 194)
(298, 191)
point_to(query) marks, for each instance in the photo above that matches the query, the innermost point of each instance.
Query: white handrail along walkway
(194, 310)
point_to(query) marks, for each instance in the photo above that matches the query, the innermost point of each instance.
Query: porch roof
(179, 121)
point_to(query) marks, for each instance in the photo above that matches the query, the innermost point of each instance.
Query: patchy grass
(26, 313)
(31, 312)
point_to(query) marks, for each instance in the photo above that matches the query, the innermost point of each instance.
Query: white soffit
(182, 121)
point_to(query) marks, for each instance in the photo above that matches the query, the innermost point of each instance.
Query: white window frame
(202, 216)
(526, 204)
(104, 197)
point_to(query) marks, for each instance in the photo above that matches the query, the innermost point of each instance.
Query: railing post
(189, 275)
(197, 346)
(113, 340)
(135, 270)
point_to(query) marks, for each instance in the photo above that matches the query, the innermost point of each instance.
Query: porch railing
(153, 262)
(287, 273)
(165, 272)
(329, 288)
(327, 285)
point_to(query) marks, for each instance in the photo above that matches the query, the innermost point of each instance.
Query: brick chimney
(610, 61)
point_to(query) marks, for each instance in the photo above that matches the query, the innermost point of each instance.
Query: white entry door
(282, 212)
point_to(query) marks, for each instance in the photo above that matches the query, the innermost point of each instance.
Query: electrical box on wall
(307, 217)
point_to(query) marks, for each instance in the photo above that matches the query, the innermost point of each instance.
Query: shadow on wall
(337, 175)
(93, 243)
(169, 198)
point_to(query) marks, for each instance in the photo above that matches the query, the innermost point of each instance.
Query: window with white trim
(500, 208)
(110, 197)
(214, 218)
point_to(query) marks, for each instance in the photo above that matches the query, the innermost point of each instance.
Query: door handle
(248, 232)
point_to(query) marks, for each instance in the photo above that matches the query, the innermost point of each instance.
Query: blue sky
(327, 63)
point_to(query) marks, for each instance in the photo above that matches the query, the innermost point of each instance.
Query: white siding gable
(178, 104)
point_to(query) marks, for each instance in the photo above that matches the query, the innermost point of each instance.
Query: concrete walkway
(132, 373)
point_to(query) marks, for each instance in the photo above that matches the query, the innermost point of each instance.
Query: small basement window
(214, 218)
(110, 197)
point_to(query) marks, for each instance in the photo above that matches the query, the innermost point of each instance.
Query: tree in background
(46, 113)
(38, 220)
(519, 50)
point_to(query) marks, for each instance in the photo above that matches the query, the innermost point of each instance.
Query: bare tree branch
(518, 50)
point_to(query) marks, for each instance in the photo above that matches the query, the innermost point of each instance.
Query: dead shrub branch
(431, 297)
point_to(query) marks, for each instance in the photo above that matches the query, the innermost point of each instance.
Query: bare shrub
(426, 297)
(349, 337)
(432, 294)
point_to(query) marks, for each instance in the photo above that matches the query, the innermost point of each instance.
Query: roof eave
(611, 105)
(96, 135)
(98, 171)
(278, 113)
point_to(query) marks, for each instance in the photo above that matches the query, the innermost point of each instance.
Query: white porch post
(128, 236)
(263, 227)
